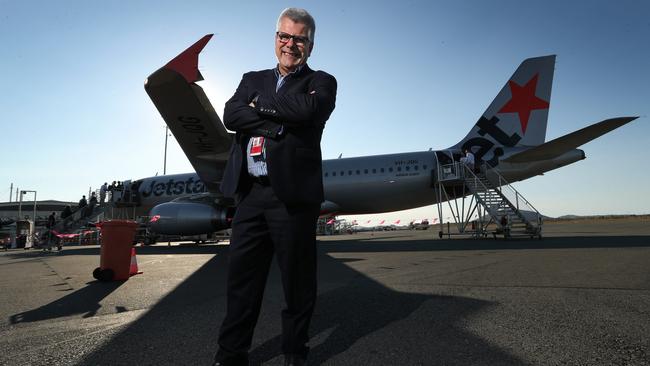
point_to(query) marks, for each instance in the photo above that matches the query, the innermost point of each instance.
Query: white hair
(299, 16)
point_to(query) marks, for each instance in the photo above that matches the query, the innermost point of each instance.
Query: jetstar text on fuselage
(173, 187)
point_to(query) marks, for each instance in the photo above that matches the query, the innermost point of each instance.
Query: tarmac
(580, 296)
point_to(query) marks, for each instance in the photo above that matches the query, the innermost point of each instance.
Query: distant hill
(567, 217)
(596, 217)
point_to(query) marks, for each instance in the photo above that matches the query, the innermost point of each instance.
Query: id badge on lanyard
(257, 146)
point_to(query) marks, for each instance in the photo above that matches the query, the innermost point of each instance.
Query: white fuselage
(361, 185)
(379, 183)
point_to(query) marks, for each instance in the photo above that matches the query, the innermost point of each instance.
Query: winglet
(187, 63)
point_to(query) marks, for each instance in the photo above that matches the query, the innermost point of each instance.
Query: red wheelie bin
(115, 252)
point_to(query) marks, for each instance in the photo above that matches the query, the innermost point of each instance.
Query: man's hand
(254, 100)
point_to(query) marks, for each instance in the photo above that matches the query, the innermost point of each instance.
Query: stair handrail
(448, 172)
(468, 172)
(519, 199)
(79, 215)
(63, 224)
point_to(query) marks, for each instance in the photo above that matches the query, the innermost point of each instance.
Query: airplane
(510, 135)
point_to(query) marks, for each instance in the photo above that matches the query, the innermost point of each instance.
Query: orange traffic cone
(133, 270)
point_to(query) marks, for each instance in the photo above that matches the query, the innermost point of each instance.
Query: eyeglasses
(298, 40)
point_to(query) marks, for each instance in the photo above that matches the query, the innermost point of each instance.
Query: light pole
(20, 204)
(165, 160)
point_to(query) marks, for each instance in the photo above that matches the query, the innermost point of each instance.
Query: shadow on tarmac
(390, 327)
(366, 309)
(94, 250)
(182, 327)
(569, 242)
(83, 301)
(387, 244)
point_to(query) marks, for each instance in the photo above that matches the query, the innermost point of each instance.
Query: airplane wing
(561, 145)
(189, 114)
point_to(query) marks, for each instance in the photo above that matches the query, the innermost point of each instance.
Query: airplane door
(441, 157)
(445, 157)
(445, 168)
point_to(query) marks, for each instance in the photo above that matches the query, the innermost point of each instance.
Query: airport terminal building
(10, 211)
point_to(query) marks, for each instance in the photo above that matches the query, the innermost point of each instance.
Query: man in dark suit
(275, 175)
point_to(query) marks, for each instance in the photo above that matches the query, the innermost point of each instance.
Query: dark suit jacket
(299, 111)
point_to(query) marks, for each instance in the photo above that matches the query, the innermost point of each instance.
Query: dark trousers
(261, 226)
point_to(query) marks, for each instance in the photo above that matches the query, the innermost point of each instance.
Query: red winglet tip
(187, 63)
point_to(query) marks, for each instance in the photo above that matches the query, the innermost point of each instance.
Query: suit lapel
(295, 79)
(270, 82)
(289, 82)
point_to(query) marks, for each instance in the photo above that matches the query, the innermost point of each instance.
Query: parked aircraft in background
(510, 135)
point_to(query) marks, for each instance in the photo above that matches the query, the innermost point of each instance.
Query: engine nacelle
(188, 218)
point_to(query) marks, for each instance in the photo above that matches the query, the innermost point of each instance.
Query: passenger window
(365, 171)
(399, 168)
(374, 171)
(381, 170)
(333, 174)
(326, 174)
(358, 171)
(408, 168)
(390, 170)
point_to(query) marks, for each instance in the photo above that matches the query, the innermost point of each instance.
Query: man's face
(291, 53)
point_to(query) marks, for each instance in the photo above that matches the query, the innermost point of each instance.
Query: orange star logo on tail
(523, 101)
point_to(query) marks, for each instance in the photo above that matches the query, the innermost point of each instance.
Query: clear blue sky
(412, 75)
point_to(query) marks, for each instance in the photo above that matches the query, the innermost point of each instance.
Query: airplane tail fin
(519, 113)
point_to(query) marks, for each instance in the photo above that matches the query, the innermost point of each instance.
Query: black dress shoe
(294, 360)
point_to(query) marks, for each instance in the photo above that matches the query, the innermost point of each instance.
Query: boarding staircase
(80, 218)
(512, 213)
(494, 199)
(85, 218)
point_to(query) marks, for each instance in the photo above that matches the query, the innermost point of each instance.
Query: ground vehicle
(419, 225)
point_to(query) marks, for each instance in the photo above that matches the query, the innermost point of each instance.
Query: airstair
(79, 219)
(84, 219)
(492, 200)
(121, 203)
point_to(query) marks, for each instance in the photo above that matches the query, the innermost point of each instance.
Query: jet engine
(188, 218)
